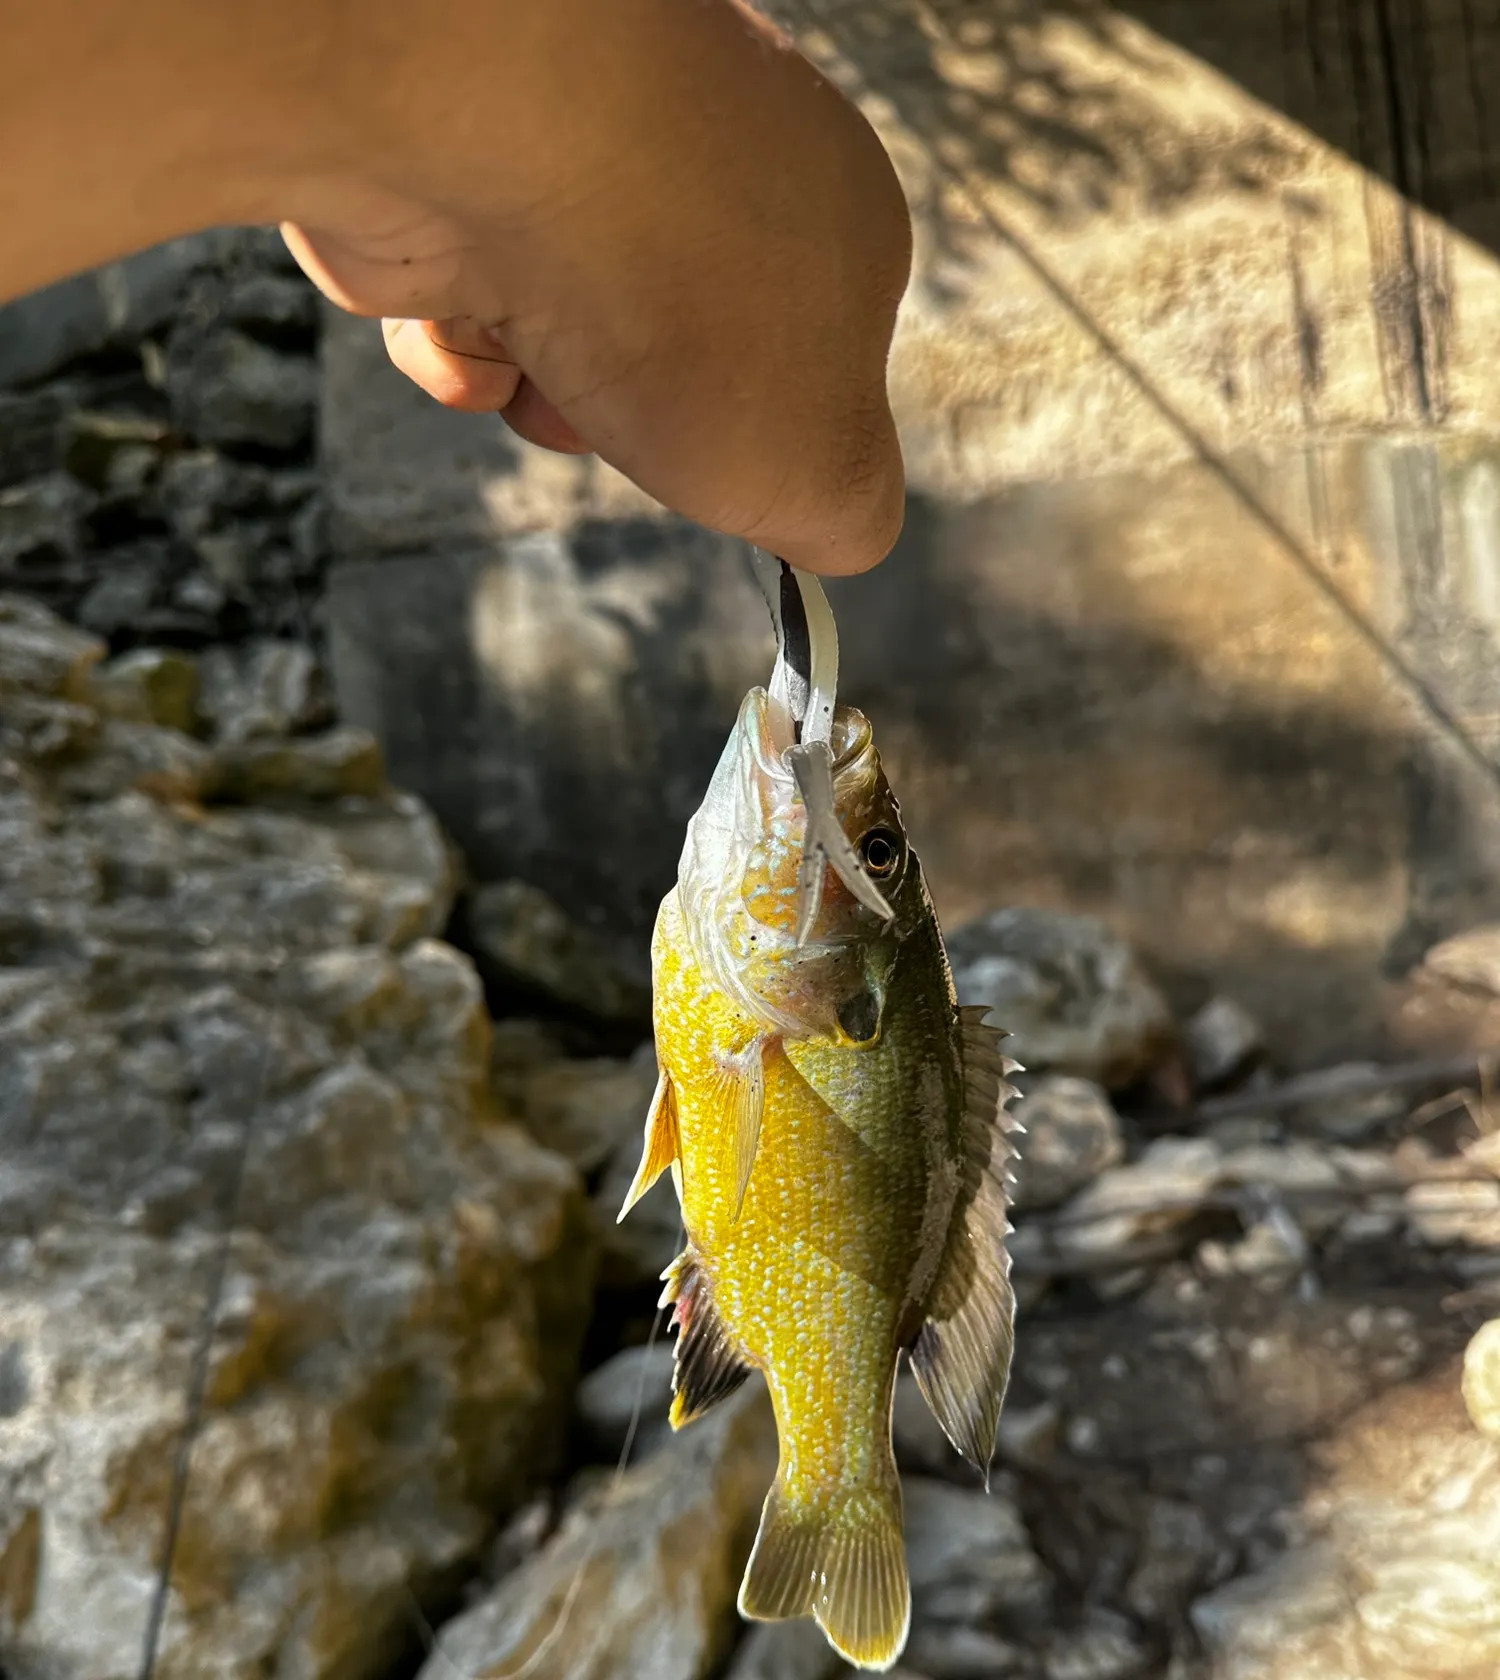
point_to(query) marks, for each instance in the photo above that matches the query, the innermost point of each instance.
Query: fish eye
(880, 852)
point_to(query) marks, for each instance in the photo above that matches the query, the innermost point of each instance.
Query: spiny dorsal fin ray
(961, 1358)
(708, 1366)
(661, 1147)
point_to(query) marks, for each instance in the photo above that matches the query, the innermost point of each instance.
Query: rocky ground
(244, 1061)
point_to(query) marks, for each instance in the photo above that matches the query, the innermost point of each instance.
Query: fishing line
(197, 1389)
(432, 1639)
(1439, 713)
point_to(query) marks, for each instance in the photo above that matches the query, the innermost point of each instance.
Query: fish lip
(859, 738)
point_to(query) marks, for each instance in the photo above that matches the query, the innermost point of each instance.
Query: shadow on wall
(1079, 707)
(1399, 86)
(1079, 133)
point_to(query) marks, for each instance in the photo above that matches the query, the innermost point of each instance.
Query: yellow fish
(834, 1126)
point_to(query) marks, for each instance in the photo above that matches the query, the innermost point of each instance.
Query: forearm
(691, 246)
(122, 124)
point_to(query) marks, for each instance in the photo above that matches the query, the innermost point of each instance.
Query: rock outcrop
(241, 1076)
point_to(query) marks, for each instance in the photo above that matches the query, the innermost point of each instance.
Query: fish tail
(840, 1557)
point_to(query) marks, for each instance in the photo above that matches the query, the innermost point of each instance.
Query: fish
(835, 1127)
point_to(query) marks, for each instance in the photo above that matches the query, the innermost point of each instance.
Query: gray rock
(40, 517)
(1178, 1552)
(87, 313)
(1072, 994)
(532, 944)
(970, 1557)
(587, 1110)
(1470, 958)
(1223, 1041)
(199, 490)
(1106, 1647)
(263, 688)
(966, 1653)
(1071, 1135)
(115, 453)
(785, 1651)
(1129, 1214)
(246, 1008)
(280, 301)
(635, 1386)
(638, 1249)
(31, 432)
(139, 757)
(1344, 1117)
(1455, 1212)
(657, 1561)
(150, 685)
(1481, 1384)
(229, 389)
(1399, 1576)
(41, 655)
(122, 598)
(337, 764)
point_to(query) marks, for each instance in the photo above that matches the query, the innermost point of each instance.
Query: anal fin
(708, 1366)
(961, 1358)
(661, 1147)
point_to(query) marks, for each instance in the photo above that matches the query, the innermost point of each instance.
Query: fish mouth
(851, 742)
(797, 725)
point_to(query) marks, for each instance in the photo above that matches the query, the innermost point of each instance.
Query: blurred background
(346, 749)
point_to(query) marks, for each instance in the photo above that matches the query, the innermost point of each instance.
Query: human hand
(660, 235)
(643, 227)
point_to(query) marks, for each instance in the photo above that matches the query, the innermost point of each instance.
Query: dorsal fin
(708, 1366)
(962, 1353)
(661, 1147)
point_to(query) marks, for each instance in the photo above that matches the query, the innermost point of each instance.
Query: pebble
(1481, 1379)
(1223, 1041)
(1071, 1135)
(635, 1384)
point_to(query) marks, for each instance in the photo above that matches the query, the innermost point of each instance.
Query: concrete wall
(1195, 618)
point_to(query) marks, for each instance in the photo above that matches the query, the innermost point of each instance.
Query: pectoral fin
(962, 1354)
(744, 1086)
(661, 1147)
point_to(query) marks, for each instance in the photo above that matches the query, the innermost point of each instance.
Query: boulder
(245, 1116)
(627, 1398)
(1071, 1135)
(1397, 1575)
(641, 1579)
(1072, 994)
(86, 313)
(529, 946)
(229, 389)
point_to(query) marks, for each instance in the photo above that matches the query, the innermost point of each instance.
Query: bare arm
(641, 227)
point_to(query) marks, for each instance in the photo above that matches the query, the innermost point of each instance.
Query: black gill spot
(859, 1016)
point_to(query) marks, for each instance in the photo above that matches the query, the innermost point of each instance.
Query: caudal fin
(840, 1558)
